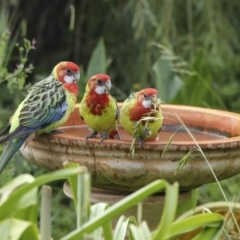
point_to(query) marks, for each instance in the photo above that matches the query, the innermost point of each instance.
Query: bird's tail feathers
(20, 132)
(114, 134)
(9, 152)
(7, 137)
(5, 131)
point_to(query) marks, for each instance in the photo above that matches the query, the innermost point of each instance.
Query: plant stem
(79, 202)
(45, 217)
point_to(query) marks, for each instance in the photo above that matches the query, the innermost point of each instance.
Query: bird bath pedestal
(115, 173)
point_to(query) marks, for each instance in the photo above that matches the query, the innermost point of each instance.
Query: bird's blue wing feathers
(44, 105)
(54, 115)
(23, 131)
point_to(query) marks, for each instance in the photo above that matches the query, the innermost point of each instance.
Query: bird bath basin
(112, 166)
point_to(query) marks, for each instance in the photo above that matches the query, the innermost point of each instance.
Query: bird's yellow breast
(102, 123)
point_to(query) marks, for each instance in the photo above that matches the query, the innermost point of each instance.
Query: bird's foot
(141, 141)
(146, 131)
(56, 131)
(104, 136)
(91, 135)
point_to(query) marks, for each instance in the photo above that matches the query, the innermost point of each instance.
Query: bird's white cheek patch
(146, 103)
(68, 79)
(100, 90)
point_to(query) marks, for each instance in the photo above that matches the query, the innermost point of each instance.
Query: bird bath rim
(112, 166)
(225, 135)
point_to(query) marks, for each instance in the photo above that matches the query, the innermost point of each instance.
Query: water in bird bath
(81, 131)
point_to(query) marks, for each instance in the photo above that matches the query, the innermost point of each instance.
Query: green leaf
(214, 220)
(27, 203)
(15, 183)
(80, 187)
(98, 62)
(122, 227)
(16, 229)
(96, 210)
(107, 230)
(169, 212)
(197, 88)
(141, 232)
(209, 233)
(117, 209)
(167, 82)
(28, 213)
(191, 203)
(15, 201)
(73, 181)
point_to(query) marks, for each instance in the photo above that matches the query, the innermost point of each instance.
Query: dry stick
(45, 217)
(219, 185)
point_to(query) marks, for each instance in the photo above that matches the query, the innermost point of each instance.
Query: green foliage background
(189, 50)
(203, 34)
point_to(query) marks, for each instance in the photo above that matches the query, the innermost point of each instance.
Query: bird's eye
(145, 95)
(99, 81)
(68, 71)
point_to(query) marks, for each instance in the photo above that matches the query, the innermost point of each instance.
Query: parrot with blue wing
(46, 107)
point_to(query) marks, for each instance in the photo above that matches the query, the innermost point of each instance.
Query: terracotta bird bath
(115, 173)
(111, 163)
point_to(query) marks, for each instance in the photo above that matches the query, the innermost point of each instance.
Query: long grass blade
(211, 169)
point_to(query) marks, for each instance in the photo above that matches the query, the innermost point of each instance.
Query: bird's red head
(149, 91)
(147, 96)
(146, 100)
(100, 83)
(68, 73)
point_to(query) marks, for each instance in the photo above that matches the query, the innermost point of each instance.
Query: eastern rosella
(46, 107)
(141, 115)
(99, 109)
